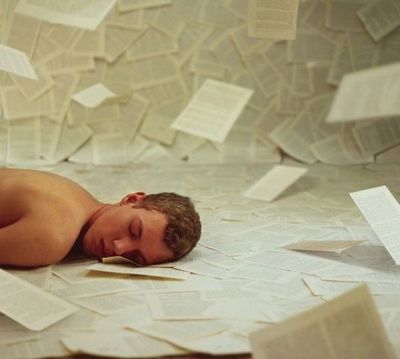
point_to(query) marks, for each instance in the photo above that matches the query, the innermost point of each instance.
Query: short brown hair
(184, 227)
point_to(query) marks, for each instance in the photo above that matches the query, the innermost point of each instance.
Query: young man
(43, 216)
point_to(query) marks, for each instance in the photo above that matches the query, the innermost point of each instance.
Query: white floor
(237, 280)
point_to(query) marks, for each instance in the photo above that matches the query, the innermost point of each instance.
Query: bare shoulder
(26, 192)
(29, 243)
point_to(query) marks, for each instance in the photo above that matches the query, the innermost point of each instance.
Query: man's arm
(24, 243)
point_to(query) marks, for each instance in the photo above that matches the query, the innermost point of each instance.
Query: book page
(178, 306)
(347, 327)
(380, 17)
(336, 246)
(277, 180)
(213, 110)
(377, 136)
(24, 140)
(32, 89)
(86, 14)
(16, 62)
(129, 5)
(382, 212)
(23, 33)
(93, 96)
(30, 306)
(152, 43)
(377, 90)
(273, 19)
(16, 106)
(145, 271)
(109, 148)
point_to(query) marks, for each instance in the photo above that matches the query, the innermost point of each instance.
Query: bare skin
(42, 216)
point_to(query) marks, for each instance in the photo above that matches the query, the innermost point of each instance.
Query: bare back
(41, 215)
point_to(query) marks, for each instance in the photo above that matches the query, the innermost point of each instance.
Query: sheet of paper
(142, 271)
(24, 140)
(120, 344)
(382, 212)
(277, 180)
(30, 306)
(129, 5)
(16, 62)
(93, 96)
(213, 110)
(380, 17)
(377, 92)
(346, 327)
(86, 14)
(273, 19)
(336, 246)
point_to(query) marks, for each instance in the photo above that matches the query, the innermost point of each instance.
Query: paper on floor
(30, 306)
(274, 182)
(323, 246)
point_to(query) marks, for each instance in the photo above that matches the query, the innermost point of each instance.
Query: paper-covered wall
(146, 59)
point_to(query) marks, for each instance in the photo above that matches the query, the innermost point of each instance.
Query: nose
(124, 245)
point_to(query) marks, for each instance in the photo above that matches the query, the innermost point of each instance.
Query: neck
(96, 214)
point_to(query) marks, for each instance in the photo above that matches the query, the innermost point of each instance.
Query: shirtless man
(43, 216)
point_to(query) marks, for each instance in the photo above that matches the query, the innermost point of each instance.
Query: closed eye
(135, 229)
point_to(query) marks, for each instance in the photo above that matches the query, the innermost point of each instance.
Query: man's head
(147, 229)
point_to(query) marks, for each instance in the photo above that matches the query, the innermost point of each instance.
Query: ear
(132, 198)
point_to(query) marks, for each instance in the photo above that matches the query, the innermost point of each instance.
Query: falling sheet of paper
(29, 305)
(347, 327)
(213, 110)
(93, 96)
(377, 89)
(85, 14)
(274, 182)
(382, 212)
(273, 19)
(16, 62)
(323, 246)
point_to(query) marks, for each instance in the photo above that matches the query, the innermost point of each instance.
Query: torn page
(86, 14)
(377, 89)
(380, 17)
(30, 306)
(277, 180)
(346, 327)
(16, 62)
(382, 212)
(273, 19)
(336, 246)
(213, 110)
(93, 96)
